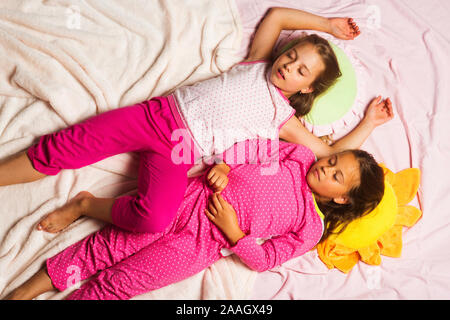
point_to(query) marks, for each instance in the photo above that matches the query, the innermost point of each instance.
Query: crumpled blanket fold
(64, 61)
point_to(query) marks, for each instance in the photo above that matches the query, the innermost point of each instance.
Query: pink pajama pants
(145, 128)
(122, 264)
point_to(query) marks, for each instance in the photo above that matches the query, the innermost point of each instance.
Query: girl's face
(333, 177)
(296, 69)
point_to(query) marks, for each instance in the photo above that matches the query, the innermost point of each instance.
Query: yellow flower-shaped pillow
(364, 231)
(378, 232)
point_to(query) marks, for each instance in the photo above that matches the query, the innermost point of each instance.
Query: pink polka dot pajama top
(272, 201)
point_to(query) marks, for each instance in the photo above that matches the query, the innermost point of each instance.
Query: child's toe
(41, 225)
(44, 225)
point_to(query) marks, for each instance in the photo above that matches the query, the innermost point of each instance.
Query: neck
(316, 204)
(321, 199)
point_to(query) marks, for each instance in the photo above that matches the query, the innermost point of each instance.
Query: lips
(316, 172)
(280, 74)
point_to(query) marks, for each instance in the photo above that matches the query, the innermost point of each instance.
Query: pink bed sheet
(404, 48)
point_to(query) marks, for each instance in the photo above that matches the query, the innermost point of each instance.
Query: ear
(341, 200)
(307, 90)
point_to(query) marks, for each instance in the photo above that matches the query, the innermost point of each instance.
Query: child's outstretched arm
(378, 112)
(278, 19)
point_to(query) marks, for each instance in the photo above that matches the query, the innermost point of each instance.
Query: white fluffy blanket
(64, 61)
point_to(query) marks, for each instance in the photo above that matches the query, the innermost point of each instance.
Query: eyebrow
(303, 65)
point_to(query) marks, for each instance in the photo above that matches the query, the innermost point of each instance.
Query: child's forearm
(278, 19)
(234, 236)
(293, 19)
(293, 131)
(377, 113)
(355, 138)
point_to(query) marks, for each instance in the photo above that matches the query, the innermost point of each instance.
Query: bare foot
(64, 216)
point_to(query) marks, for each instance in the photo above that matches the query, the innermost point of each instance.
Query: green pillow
(334, 103)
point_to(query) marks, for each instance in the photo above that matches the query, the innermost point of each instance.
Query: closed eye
(303, 70)
(332, 160)
(339, 176)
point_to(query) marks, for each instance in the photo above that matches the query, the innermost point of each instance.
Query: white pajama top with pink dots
(237, 105)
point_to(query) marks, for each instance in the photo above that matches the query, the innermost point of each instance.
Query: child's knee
(146, 214)
(152, 226)
(151, 217)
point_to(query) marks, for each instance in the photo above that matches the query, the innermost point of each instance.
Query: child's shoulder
(258, 66)
(250, 62)
(297, 151)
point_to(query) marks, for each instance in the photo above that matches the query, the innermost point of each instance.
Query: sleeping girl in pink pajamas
(232, 206)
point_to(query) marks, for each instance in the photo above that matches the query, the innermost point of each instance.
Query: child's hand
(343, 28)
(217, 177)
(327, 139)
(379, 111)
(222, 214)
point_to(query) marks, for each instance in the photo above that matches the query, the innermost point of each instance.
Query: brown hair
(362, 198)
(302, 102)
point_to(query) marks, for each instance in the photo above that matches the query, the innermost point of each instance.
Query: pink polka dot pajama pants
(126, 264)
(150, 245)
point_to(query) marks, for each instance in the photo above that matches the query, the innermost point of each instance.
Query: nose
(326, 170)
(287, 66)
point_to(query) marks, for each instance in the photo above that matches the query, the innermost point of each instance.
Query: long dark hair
(302, 102)
(362, 198)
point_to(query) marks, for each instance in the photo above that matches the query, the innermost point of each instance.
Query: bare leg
(84, 203)
(18, 169)
(37, 284)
